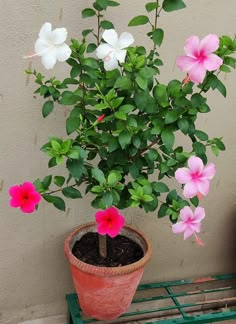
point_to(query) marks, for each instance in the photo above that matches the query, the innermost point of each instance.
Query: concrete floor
(60, 319)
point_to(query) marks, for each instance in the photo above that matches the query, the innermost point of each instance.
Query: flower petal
(188, 232)
(103, 50)
(197, 73)
(186, 213)
(183, 175)
(191, 46)
(45, 31)
(199, 214)
(203, 186)
(28, 207)
(212, 62)
(102, 228)
(35, 197)
(62, 52)
(49, 59)
(110, 36)
(100, 216)
(15, 202)
(120, 55)
(209, 44)
(28, 186)
(190, 189)
(40, 46)
(185, 63)
(59, 35)
(125, 40)
(209, 171)
(179, 227)
(195, 164)
(112, 63)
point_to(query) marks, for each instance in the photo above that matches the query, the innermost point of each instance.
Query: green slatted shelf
(202, 300)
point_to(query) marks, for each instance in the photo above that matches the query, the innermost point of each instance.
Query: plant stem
(102, 245)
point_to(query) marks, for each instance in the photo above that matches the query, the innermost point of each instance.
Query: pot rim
(107, 271)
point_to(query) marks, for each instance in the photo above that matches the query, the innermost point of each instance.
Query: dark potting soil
(120, 251)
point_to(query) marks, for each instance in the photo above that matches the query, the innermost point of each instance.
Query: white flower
(51, 46)
(114, 49)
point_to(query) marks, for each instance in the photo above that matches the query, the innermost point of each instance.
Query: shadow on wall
(230, 252)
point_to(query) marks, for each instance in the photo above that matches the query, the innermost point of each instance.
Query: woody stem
(102, 245)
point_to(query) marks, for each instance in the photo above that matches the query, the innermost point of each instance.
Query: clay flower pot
(106, 292)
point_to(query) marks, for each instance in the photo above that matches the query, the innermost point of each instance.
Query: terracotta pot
(106, 292)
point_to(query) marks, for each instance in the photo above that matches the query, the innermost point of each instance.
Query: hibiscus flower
(109, 221)
(24, 196)
(51, 46)
(199, 57)
(190, 223)
(196, 178)
(113, 51)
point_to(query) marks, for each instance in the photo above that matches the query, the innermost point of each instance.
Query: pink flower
(196, 178)
(24, 196)
(109, 221)
(190, 223)
(199, 57)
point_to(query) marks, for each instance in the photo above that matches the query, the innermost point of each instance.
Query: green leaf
(152, 154)
(123, 83)
(47, 108)
(113, 177)
(55, 145)
(150, 6)
(69, 98)
(112, 3)
(162, 211)
(71, 192)
(56, 201)
(59, 181)
(88, 12)
(75, 168)
(172, 5)
(158, 36)
(98, 175)
(124, 138)
(161, 95)
(195, 201)
(72, 123)
(201, 135)
(172, 116)
(107, 199)
(160, 187)
(91, 62)
(102, 3)
(91, 47)
(215, 150)
(199, 148)
(106, 24)
(168, 138)
(75, 71)
(138, 20)
(183, 125)
(141, 82)
(47, 181)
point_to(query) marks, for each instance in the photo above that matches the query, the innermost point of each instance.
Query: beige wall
(34, 275)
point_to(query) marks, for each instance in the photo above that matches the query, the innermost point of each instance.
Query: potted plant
(121, 144)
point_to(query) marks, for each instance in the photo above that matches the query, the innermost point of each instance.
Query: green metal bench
(202, 300)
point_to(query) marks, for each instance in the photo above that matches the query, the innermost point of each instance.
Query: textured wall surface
(34, 274)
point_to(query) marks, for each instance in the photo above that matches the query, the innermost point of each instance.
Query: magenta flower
(24, 196)
(109, 221)
(196, 178)
(190, 223)
(199, 57)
